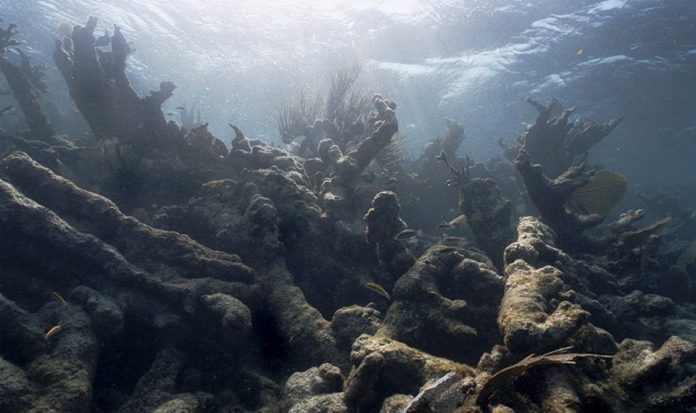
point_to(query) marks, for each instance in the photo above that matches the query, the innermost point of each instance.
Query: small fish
(446, 250)
(454, 239)
(444, 225)
(379, 290)
(52, 331)
(180, 108)
(406, 234)
(59, 298)
(460, 221)
(580, 52)
(170, 114)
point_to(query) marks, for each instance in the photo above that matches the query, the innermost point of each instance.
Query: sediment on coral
(539, 310)
(446, 304)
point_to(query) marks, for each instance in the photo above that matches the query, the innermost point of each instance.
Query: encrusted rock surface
(446, 304)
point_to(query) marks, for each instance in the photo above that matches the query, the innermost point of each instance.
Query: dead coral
(486, 213)
(382, 224)
(60, 374)
(26, 83)
(446, 304)
(99, 86)
(552, 196)
(340, 190)
(540, 310)
(163, 280)
(383, 367)
(556, 142)
(198, 324)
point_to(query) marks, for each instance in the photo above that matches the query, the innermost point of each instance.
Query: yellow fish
(406, 234)
(52, 331)
(379, 290)
(59, 298)
(446, 250)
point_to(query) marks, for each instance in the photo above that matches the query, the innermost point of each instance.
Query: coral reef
(152, 269)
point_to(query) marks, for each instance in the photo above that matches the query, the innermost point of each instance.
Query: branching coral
(556, 199)
(166, 288)
(100, 88)
(338, 189)
(487, 212)
(26, 84)
(556, 142)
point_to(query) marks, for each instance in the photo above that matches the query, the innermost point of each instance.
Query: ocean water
(472, 61)
(148, 265)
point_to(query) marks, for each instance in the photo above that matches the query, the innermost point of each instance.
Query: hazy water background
(472, 60)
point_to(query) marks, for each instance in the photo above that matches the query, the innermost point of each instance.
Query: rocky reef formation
(330, 275)
(447, 303)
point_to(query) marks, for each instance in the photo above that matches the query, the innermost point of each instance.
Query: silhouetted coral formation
(26, 83)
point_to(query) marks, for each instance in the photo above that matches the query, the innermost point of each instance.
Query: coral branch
(27, 85)
(100, 88)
